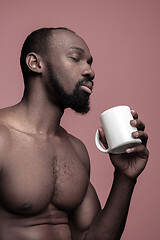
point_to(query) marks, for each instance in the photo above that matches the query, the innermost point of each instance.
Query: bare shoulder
(5, 137)
(80, 149)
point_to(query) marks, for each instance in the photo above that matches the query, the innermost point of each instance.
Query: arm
(109, 222)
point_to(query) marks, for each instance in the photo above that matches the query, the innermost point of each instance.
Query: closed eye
(75, 59)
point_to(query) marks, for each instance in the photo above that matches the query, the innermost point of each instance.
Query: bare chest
(37, 174)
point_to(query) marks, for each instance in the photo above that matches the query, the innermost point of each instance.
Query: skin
(45, 190)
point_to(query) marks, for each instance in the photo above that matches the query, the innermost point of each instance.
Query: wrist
(123, 177)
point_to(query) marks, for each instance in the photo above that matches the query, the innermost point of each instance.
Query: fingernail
(136, 134)
(129, 150)
(134, 122)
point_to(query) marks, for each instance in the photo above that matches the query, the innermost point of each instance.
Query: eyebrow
(77, 48)
(82, 50)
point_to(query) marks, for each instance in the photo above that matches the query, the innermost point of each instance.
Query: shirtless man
(45, 191)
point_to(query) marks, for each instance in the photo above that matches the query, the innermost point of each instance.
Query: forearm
(109, 223)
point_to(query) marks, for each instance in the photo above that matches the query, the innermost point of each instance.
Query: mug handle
(97, 142)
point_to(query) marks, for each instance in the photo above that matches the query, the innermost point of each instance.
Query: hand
(135, 159)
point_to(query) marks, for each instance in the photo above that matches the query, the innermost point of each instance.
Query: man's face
(69, 71)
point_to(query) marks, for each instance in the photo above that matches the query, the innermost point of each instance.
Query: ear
(34, 62)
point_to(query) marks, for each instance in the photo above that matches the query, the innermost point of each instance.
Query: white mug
(117, 129)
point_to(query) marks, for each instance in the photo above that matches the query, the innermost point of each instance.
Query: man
(45, 191)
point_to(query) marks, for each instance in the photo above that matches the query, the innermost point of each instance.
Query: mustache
(83, 81)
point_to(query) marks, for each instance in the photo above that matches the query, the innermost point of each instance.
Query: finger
(138, 124)
(102, 137)
(134, 114)
(141, 150)
(142, 135)
(101, 134)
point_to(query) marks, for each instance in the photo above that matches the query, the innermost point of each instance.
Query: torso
(42, 180)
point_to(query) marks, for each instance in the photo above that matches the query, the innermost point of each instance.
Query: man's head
(66, 64)
(38, 42)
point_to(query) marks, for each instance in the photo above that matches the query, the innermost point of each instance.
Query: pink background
(124, 38)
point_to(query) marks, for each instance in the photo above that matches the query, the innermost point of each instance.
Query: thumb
(102, 137)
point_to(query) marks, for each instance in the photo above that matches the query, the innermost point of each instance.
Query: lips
(87, 87)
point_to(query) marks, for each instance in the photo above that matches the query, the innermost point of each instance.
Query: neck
(41, 115)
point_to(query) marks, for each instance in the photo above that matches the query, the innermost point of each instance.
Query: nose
(88, 72)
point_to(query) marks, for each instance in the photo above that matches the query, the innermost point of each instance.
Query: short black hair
(37, 42)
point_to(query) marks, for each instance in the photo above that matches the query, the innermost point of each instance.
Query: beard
(77, 101)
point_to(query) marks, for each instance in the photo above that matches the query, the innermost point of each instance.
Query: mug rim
(120, 106)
